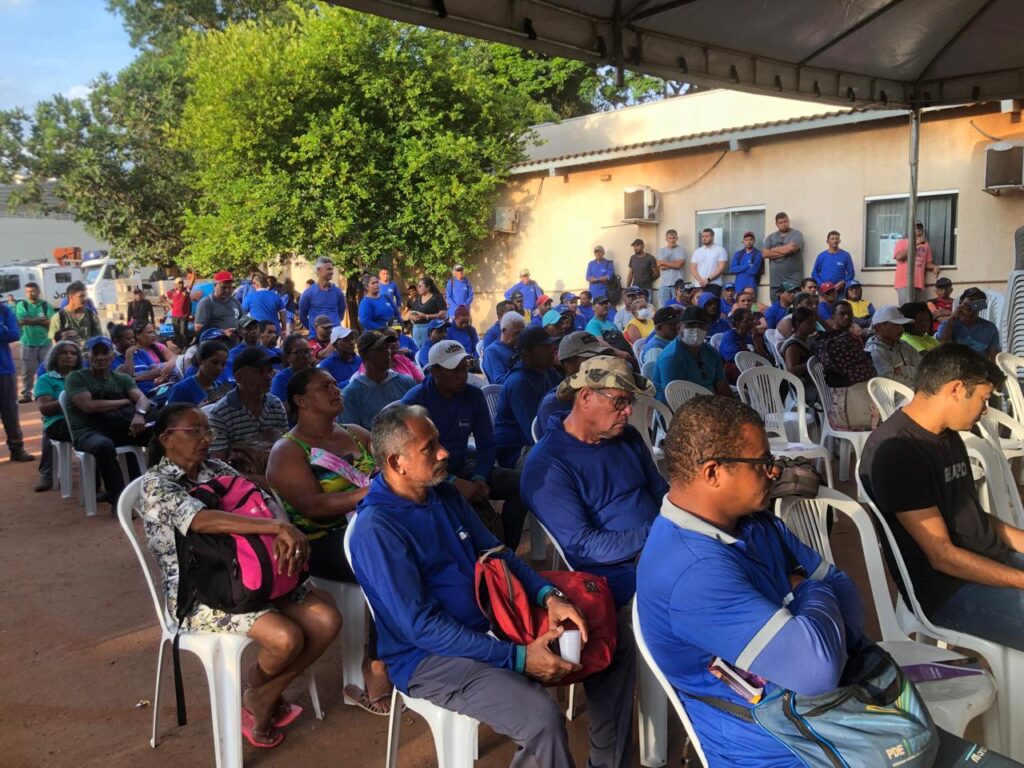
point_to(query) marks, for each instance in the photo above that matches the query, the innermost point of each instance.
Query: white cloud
(77, 92)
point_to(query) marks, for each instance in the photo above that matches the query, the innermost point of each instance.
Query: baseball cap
(634, 290)
(567, 297)
(212, 333)
(826, 287)
(533, 337)
(375, 339)
(551, 317)
(322, 320)
(254, 357)
(789, 286)
(890, 313)
(223, 277)
(245, 320)
(458, 268)
(693, 315)
(853, 284)
(524, 273)
(666, 315)
(447, 354)
(340, 332)
(943, 282)
(98, 341)
(638, 241)
(579, 344)
(598, 248)
(434, 324)
(729, 287)
(543, 299)
(604, 372)
(602, 300)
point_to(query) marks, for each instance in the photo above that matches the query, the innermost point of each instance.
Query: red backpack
(515, 617)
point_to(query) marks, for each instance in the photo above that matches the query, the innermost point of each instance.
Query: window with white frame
(730, 224)
(885, 222)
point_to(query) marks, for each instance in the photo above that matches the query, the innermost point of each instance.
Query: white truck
(53, 280)
(110, 286)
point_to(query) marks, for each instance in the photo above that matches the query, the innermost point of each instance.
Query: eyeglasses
(619, 402)
(766, 462)
(195, 430)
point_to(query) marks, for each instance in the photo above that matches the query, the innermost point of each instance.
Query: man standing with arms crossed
(33, 316)
(671, 260)
(784, 250)
(709, 261)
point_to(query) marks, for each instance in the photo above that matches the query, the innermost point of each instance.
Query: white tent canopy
(895, 53)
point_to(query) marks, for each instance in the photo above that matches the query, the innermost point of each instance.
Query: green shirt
(50, 383)
(921, 343)
(87, 326)
(115, 386)
(33, 335)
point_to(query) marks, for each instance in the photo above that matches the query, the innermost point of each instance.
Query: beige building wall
(820, 178)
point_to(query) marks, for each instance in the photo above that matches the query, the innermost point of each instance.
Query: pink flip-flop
(251, 734)
(289, 713)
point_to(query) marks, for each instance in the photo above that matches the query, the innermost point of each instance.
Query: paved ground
(78, 644)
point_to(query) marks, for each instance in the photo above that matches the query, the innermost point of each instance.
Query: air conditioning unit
(640, 205)
(504, 218)
(1004, 167)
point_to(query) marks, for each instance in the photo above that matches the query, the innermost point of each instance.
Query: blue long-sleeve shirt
(467, 337)
(531, 292)
(9, 333)
(375, 312)
(596, 269)
(415, 563)
(747, 267)
(497, 358)
(341, 370)
(833, 267)
(279, 384)
(265, 305)
(456, 419)
(518, 402)
(702, 592)
(598, 501)
(458, 292)
(492, 334)
(317, 301)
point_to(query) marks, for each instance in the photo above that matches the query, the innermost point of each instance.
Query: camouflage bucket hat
(605, 372)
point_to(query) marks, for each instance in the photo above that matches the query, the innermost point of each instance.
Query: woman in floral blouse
(293, 631)
(847, 369)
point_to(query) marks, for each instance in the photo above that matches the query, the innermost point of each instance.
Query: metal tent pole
(915, 140)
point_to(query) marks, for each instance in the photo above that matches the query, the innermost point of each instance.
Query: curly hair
(705, 426)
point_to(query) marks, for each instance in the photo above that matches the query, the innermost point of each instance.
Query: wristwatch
(556, 593)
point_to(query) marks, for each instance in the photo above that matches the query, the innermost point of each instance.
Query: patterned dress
(166, 507)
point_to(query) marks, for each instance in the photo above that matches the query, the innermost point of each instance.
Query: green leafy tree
(346, 134)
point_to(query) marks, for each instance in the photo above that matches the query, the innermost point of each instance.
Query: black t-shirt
(431, 306)
(905, 467)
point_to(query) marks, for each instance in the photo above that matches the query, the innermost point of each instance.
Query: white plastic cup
(569, 645)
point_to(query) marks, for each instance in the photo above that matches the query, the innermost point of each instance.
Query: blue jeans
(419, 334)
(665, 294)
(991, 613)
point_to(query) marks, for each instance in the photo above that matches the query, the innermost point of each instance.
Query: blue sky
(56, 46)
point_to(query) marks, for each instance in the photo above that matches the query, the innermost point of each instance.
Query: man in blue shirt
(599, 272)
(436, 331)
(493, 333)
(459, 410)
(367, 393)
(389, 290)
(323, 297)
(584, 310)
(783, 304)
(834, 265)
(827, 297)
(666, 329)
(414, 547)
(691, 359)
(526, 384)
(458, 291)
(265, 304)
(343, 362)
(747, 264)
(9, 334)
(714, 582)
(297, 357)
(498, 356)
(966, 326)
(249, 332)
(591, 480)
(528, 289)
(601, 321)
(462, 331)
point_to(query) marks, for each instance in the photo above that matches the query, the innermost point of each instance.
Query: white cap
(340, 332)
(890, 313)
(447, 354)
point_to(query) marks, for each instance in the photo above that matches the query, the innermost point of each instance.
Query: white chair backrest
(1011, 364)
(679, 391)
(745, 360)
(817, 374)
(888, 395)
(716, 340)
(491, 392)
(650, 415)
(63, 400)
(480, 350)
(648, 369)
(773, 340)
(761, 388)
(999, 479)
(535, 430)
(652, 355)
(807, 519)
(638, 346)
(554, 543)
(995, 312)
(131, 497)
(666, 686)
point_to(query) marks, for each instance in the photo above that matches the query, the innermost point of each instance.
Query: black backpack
(614, 288)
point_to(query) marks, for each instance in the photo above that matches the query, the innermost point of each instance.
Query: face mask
(645, 314)
(693, 337)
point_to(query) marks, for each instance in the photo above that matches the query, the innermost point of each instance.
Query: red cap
(543, 298)
(826, 287)
(223, 277)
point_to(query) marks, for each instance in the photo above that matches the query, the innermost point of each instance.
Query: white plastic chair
(848, 437)
(647, 369)
(1011, 364)
(87, 467)
(480, 350)
(638, 347)
(351, 604)
(773, 340)
(888, 395)
(1002, 722)
(953, 703)
(997, 490)
(491, 393)
(745, 360)
(455, 735)
(535, 431)
(679, 391)
(647, 661)
(716, 340)
(651, 355)
(62, 453)
(651, 418)
(219, 652)
(760, 388)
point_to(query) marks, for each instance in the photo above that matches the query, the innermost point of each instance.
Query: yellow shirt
(861, 308)
(646, 327)
(921, 343)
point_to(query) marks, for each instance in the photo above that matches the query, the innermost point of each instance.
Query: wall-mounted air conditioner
(640, 205)
(505, 218)
(1004, 167)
